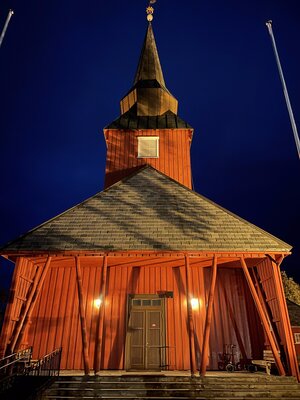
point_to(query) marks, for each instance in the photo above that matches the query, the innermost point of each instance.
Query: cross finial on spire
(150, 10)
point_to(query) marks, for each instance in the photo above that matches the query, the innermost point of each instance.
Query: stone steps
(155, 387)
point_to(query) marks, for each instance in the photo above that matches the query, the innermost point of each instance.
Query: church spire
(149, 95)
(149, 65)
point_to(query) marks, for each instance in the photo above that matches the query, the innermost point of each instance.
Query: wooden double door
(145, 346)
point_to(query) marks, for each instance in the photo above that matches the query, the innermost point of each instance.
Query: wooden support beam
(169, 253)
(190, 317)
(291, 356)
(85, 350)
(25, 313)
(208, 319)
(263, 318)
(9, 312)
(100, 322)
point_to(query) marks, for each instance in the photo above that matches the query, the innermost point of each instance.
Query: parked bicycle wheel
(229, 367)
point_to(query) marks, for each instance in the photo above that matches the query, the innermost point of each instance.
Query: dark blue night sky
(64, 66)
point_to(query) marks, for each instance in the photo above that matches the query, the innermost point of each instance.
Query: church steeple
(148, 131)
(149, 95)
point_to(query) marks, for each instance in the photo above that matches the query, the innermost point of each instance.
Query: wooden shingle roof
(147, 211)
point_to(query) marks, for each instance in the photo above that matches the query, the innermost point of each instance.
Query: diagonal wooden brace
(263, 317)
(25, 314)
(85, 351)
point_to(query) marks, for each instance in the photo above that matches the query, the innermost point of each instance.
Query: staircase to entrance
(223, 386)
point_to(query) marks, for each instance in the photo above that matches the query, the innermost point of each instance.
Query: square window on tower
(148, 147)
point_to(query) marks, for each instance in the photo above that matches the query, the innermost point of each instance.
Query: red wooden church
(148, 274)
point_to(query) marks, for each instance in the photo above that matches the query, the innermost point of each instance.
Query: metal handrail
(49, 365)
(12, 359)
(20, 363)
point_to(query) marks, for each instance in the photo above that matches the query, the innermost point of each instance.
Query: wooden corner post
(263, 317)
(190, 317)
(208, 318)
(85, 350)
(100, 322)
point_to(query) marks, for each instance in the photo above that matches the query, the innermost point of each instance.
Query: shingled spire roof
(149, 95)
(149, 65)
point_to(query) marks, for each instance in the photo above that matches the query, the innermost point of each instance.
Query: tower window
(148, 147)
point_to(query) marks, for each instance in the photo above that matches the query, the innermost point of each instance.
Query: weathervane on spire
(150, 10)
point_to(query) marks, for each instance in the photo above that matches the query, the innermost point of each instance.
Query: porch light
(97, 303)
(195, 303)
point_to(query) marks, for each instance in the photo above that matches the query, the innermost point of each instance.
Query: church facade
(148, 274)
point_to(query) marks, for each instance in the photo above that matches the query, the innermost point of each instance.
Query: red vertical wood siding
(174, 154)
(55, 320)
(23, 277)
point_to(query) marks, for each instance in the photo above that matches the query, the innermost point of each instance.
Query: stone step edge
(164, 398)
(127, 389)
(45, 397)
(172, 377)
(88, 382)
(145, 381)
(186, 382)
(189, 384)
(266, 387)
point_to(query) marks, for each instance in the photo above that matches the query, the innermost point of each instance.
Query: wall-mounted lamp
(97, 303)
(195, 303)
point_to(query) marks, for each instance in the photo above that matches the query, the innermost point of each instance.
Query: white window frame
(144, 139)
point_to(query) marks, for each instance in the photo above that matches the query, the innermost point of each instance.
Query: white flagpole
(10, 14)
(285, 92)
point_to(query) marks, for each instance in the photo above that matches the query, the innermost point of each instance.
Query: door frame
(162, 308)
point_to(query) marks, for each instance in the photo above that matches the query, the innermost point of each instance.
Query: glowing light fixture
(97, 303)
(195, 303)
